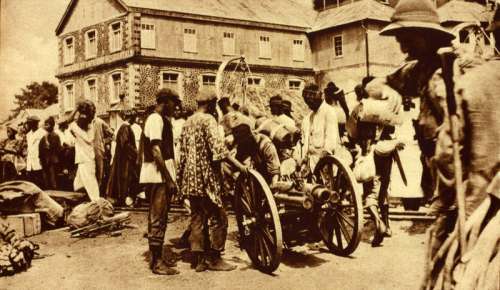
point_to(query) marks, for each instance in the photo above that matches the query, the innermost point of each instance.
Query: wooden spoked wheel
(340, 222)
(258, 222)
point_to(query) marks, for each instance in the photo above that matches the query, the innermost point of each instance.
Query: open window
(68, 96)
(115, 86)
(69, 50)
(91, 89)
(115, 37)
(172, 80)
(91, 44)
(208, 80)
(295, 84)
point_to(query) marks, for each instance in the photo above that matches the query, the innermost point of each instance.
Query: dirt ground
(121, 263)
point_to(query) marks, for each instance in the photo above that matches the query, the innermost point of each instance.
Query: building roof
(295, 13)
(462, 11)
(354, 12)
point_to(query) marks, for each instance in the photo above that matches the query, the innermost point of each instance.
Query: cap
(420, 14)
(275, 100)
(205, 96)
(224, 102)
(164, 94)
(312, 91)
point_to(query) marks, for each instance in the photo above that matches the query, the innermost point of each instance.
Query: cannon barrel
(302, 201)
(307, 197)
(319, 193)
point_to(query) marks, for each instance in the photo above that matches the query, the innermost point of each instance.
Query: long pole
(448, 59)
(367, 50)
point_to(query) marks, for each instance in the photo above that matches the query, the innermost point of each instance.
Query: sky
(28, 45)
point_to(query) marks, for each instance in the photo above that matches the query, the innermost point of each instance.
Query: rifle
(447, 61)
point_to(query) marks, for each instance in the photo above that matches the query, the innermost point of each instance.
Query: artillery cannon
(328, 209)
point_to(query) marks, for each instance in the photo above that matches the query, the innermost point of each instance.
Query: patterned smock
(201, 145)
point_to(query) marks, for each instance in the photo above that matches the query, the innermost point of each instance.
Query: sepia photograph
(250, 144)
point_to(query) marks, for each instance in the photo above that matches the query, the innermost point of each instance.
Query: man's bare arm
(160, 162)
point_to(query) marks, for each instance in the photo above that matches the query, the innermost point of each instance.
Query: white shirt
(84, 143)
(320, 132)
(285, 121)
(66, 137)
(137, 134)
(33, 155)
(150, 173)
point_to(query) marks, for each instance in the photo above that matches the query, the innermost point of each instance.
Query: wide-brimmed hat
(415, 14)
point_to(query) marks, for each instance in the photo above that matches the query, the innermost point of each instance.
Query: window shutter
(298, 50)
(148, 36)
(190, 41)
(228, 43)
(265, 47)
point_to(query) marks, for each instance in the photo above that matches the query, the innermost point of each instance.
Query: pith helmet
(495, 20)
(419, 14)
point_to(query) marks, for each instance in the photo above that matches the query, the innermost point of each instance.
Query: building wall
(349, 69)
(148, 81)
(103, 87)
(89, 12)
(102, 30)
(170, 35)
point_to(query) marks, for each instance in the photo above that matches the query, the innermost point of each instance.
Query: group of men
(189, 163)
(75, 154)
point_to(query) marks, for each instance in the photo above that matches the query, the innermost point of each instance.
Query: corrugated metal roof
(297, 13)
(356, 11)
(461, 11)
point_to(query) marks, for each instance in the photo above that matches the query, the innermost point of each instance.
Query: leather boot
(378, 238)
(157, 265)
(385, 217)
(216, 263)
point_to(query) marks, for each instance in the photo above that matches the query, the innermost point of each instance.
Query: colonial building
(129, 48)
(125, 50)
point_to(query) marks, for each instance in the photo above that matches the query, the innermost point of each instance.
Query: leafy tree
(35, 96)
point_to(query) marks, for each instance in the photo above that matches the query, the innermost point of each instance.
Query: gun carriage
(324, 206)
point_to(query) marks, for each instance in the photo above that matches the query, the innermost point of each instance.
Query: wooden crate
(25, 225)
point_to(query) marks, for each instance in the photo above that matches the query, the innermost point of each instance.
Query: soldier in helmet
(476, 94)
(415, 25)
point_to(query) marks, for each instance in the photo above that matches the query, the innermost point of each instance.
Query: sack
(364, 168)
(90, 212)
(378, 112)
(358, 130)
(344, 155)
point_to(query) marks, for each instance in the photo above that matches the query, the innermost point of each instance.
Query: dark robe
(124, 174)
(50, 149)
